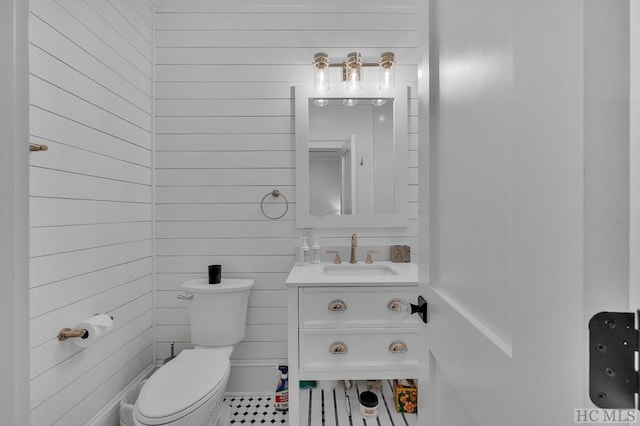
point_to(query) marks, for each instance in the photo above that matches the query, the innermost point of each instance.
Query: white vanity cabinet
(350, 327)
(353, 332)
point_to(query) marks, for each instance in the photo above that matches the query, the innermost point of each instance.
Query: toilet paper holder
(69, 333)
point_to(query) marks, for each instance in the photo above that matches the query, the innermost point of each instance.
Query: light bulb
(349, 102)
(321, 102)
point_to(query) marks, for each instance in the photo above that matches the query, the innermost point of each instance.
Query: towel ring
(275, 194)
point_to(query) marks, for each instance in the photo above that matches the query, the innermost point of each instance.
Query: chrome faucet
(354, 244)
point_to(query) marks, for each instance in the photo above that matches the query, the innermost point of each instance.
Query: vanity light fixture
(321, 102)
(352, 71)
(378, 102)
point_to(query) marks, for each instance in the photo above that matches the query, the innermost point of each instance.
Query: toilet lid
(182, 385)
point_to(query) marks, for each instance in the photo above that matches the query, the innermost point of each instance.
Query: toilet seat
(182, 386)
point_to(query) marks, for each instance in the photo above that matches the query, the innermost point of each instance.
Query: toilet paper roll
(97, 326)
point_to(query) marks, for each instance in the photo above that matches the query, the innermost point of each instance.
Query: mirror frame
(399, 218)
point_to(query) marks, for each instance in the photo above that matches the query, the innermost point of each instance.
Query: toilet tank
(218, 312)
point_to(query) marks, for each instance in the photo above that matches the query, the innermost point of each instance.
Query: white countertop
(313, 274)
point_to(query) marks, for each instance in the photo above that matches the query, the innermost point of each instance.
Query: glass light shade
(387, 71)
(353, 72)
(354, 82)
(321, 80)
(378, 102)
(321, 102)
(387, 78)
(350, 102)
(321, 72)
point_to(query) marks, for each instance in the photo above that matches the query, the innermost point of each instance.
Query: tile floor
(255, 410)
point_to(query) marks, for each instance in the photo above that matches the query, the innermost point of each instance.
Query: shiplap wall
(91, 91)
(225, 138)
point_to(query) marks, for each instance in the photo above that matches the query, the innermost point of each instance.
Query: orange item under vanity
(406, 396)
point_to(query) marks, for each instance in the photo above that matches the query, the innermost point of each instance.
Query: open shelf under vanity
(327, 406)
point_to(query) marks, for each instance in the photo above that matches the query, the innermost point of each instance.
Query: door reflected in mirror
(351, 156)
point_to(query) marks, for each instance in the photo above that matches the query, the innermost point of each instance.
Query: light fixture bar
(352, 70)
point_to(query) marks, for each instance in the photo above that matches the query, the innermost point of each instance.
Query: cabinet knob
(398, 347)
(337, 305)
(337, 348)
(395, 305)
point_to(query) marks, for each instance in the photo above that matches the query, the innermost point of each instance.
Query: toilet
(189, 389)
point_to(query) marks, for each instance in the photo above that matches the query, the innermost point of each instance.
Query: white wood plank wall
(225, 138)
(91, 66)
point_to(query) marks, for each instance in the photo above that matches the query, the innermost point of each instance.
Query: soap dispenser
(315, 250)
(304, 251)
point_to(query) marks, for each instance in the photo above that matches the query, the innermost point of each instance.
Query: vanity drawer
(354, 307)
(368, 349)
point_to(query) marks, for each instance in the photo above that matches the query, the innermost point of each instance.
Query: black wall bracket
(613, 343)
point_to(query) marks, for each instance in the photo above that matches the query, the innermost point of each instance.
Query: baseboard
(249, 377)
(109, 414)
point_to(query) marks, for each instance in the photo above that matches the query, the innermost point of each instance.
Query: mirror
(351, 158)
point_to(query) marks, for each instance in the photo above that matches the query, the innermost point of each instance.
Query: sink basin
(362, 270)
(382, 272)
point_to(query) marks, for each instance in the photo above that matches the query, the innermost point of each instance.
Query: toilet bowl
(189, 389)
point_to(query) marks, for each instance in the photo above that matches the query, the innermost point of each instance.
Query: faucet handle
(337, 259)
(369, 258)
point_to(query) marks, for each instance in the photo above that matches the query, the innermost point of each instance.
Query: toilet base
(224, 419)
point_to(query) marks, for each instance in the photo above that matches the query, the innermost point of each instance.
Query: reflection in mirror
(350, 147)
(331, 180)
(351, 157)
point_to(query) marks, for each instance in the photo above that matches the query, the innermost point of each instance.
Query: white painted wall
(635, 153)
(14, 213)
(91, 68)
(225, 138)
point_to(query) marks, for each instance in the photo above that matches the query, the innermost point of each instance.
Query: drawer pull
(337, 348)
(398, 347)
(395, 305)
(337, 305)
